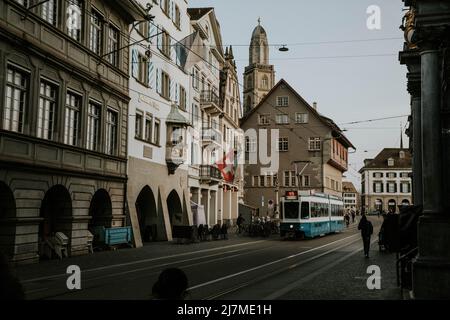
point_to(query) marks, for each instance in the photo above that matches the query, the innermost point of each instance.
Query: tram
(308, 215)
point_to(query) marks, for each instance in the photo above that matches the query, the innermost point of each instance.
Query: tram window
(291, 210)
(305, 210)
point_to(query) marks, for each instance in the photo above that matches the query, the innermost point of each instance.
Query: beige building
(386, 181)
(350, 196)
(310, 148)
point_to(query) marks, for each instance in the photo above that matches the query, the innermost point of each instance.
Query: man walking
(366, 231)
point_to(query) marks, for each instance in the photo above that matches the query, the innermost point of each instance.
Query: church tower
(259, 75)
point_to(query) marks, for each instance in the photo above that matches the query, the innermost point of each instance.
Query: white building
(350, 196)
(386, 181)
(157, 170)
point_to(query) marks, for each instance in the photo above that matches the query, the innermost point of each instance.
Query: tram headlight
(291, 226)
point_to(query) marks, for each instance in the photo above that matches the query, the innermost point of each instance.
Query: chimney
(315, 105)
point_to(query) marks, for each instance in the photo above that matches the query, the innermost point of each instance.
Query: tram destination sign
(291, 195)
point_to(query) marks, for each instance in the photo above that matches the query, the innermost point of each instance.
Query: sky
(346, 89)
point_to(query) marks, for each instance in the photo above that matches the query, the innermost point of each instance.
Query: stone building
(350, 196)
(157, 154)
(307, 150)
(426, 27)
(259, 75)
(63, 121)
(386, 181)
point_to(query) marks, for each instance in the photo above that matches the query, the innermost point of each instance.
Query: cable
(376, 119)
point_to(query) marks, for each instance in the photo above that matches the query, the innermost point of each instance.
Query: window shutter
(150, 71)
(177, 94)
(171, 10)
(161, 3)
(152, 31)
(159, 38)
(173, 54)
(134, 63)
(172, 90)
(158, 81)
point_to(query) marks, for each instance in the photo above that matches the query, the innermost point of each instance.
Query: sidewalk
(346, 278)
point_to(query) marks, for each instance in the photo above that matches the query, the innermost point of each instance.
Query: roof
(258, 32)
(348, 186)
(327, 121)
(381, 160)
(197, 13)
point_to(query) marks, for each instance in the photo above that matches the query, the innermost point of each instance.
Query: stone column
(417, 150)
(205, 204)
(431, 270)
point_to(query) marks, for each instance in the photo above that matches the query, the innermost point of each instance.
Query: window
(405, 187)
(47, 109)
(166, 4)
(49, 11)
(282, 119)
(138, 125)
(165, 85)
(111, 132)
(143, 69)
(390, 162)
(95, 42)
(391, 175)
(289, 179)
(157, 129)
(265, 82)
(301, 118)
(177, 17)
(377, 187)
(404, 175)
(195, 78)
(306, 181)
(93, 127)
(143, 28)
(314, 144)
(391, 187)
(16, 99)
(182, 94)
(378, 175)
(148, 127)
(165, 44)
(72, 118)
(255, 181)
(264, 119)
(75, 19)
(282, 101)
(249, 82)
(113, 46)
(262, 181)
(283, 144)
(250, 144)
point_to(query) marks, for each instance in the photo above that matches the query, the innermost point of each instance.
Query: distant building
(386, 181)
(350, 195)
(310, 148)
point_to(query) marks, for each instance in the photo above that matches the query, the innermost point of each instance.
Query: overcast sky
(346, 89)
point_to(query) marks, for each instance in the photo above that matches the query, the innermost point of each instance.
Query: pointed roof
(327, 121)
(176, 117)
(348, 186)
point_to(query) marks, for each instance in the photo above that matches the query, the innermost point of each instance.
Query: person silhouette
(10, 288)
(172, 284)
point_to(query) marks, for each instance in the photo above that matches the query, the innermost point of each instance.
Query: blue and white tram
(310, 215)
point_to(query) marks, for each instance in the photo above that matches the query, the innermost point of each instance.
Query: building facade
(259, 75)
(157, 161)
(350, 196)
(215, 110)
(308, 151)
(63, 121)
(386, 181)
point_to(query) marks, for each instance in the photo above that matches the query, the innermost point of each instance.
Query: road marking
(293, 285)
(267, 264)
(143, 261)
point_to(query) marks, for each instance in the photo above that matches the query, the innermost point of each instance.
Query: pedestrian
(347, 219)
(172, 284)
(353, 216)
(366, 231)
(240, 220)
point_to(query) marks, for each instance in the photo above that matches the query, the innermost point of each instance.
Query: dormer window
(402, 154)
(391, 162)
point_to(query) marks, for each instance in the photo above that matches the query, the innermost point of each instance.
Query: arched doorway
(392, 206)
(56, 210)
(100, 210)
(379, 205)
(7, 226)
(175, 209)
(149, 224)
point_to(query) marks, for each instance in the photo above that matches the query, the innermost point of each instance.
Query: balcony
(211, 135)
(210, 102)
(210, 174)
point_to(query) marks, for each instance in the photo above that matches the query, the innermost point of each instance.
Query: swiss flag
(226, 166)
